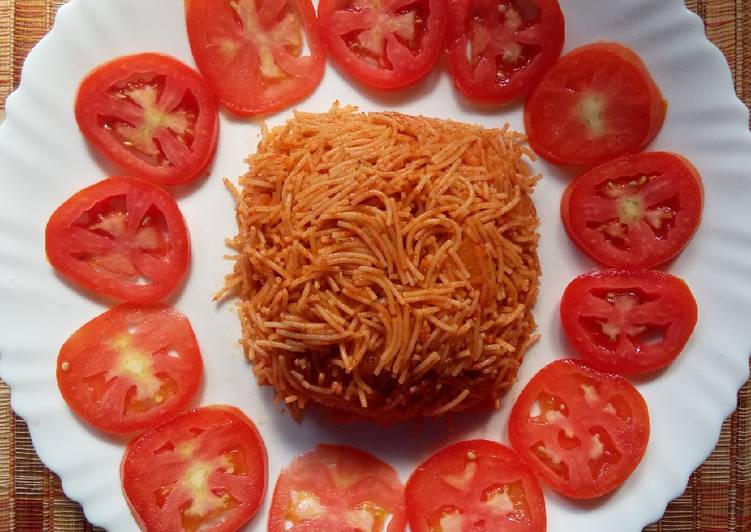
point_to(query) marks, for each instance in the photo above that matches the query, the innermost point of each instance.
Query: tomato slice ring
(582, 431)
(151, 115)
(203, 469)
(130, 368)
(252, 53)
(334, 487)
(597, 103)
(499, 49)
(638, 211)
(475, 485)
(122, 238)
(387, 44)
(628, 322)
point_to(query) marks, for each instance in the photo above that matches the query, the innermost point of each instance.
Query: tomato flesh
(252, 53)
(638, 211)
(628, 321)
(203, 468)
(582, 431)
(151, 115)
(130, 368)
(384, 44)
(476, 485)
(337, 488)
(499, 49)
(597, 103)
(122, 238)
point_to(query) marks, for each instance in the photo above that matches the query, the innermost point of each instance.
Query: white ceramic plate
(44, 159)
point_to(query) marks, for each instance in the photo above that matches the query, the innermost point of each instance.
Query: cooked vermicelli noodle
(386, 264)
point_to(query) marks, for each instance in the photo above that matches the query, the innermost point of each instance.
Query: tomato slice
(628, 321)
(151, 115)
(338, 488)
(638, 211)
(477, 486)
(253, 52)
(597, 103)
(130, 368)
(582, 431)
(499, 49)
(122, 238)
(202, 470)
(384, 44)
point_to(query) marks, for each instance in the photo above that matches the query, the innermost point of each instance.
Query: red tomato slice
(583, 432)
(252, 53)
(628, 321)
(337, 488)
(151, 115)
(499, 49)
(202, 470)
(130, 368)
(386, 44)
(122, 238)
(476, 486)
(638, 211)
(597, 103)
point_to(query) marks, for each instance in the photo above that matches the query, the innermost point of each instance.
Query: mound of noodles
(386, 264)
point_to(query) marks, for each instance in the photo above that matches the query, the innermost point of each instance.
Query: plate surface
(43, 160)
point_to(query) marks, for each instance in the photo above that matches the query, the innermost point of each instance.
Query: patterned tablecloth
(718, 496)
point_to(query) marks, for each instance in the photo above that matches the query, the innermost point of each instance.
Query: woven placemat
(718, 496)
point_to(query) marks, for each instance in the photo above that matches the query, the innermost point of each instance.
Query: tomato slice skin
(611, 318)
(403, 39)
(203, 468)
(335, 487)
(475, 485)
(110, 235)
(149, 349)
(251, 54)
(591, 431)
(635, 212)
(508, 41)
(151, 115)
(597, 103)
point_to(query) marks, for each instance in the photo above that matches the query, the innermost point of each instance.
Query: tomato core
(304, 506)
(497, 41)
(591, 111)
(140, 136)
(205, 504)
(286, 34)
(630, 209)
